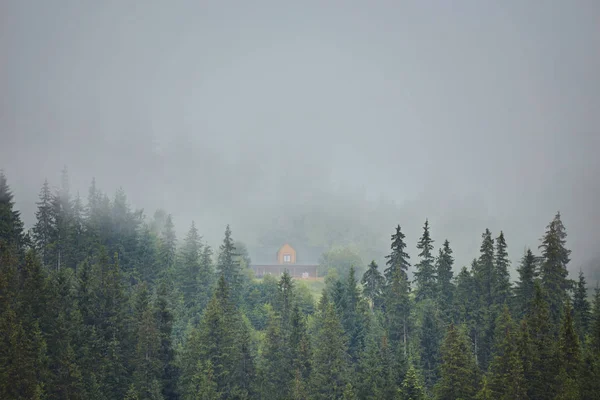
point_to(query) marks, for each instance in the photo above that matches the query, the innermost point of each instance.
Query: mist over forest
(437, 164)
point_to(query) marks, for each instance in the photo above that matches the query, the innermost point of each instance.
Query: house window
(287, 258)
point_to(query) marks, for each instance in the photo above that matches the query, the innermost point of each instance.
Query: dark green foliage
(228, 264)
(569, 357)
(525, 287)
(11, 226)
(44, 230)
(501, 288)
(483, 271)
(397, 260)
(582, 308)
(430, 338)
(376, 367)
(397, 311)
(412, 387)
(330, 369)
(506, 376)
(540, 362)
(373, 283)
(275, 370)
(445, 288)
(553, 269)
(167, 249)
(425, 273)
(189, 268)
(458, 371)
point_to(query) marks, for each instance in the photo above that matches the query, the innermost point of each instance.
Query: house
(286, 260)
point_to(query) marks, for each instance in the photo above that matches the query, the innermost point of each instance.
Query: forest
(101, 302)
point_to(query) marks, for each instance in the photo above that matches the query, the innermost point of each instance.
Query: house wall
(297, 271)
(286, 249)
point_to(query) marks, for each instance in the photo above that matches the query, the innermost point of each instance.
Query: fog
(256, 113)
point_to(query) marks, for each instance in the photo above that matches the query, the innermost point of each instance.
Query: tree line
(98, 301)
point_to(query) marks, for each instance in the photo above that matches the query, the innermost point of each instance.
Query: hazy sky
(476, 114)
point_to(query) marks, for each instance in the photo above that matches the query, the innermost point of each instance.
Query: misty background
(361, 115)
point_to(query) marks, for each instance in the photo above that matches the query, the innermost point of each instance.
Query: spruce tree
(397, 260)
(300, 346)
(44, 230)
(11, 226)
(543, 358)
(169, 372)
(458, 371)
(397, 311)
(412, 387)
(275, 369)
(555, 257)
(431, 335)
(484, 271)
(591, 369)
(506, 376)
(227, 265)
(189, 268)
(501, 288)
(570, 359)
(375, 369)
(373, 283)
(167, 248)
(330, 361)
(445, 287)
(582, 308)
(206, 277)
(525, 286)
(425, 276)
(353, 316)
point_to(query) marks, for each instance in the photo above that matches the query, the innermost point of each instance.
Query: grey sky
(480, 114)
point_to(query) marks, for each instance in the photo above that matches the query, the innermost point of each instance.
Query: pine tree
(147, 255)
(11, 226)
(398, 258)
(44, 230)
(167, 249)
(591, 369)
(569, 357)
(169, 373)
(430, 339)
(189, 269)
(525, 287)
(373, 283)
(484, 272)
(275, 369)
(555, 257)
(349, 392)
(205, 387)
(458, 371)
(445, 287)
(227, 265)
(375, 379)
(330, 362)
(501, 288)
(425, 274)
(506, 375)
(206, 277)
(353, 316)
(285, 299)
(412, 388)
(582, 308)
(299, 343)
(397, 311)
(543, 358)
